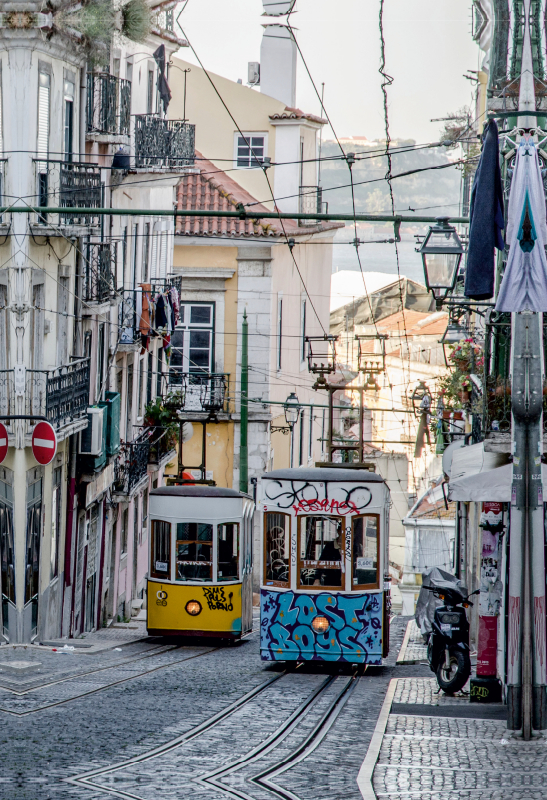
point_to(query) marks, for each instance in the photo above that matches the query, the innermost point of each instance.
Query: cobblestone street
(152, 719)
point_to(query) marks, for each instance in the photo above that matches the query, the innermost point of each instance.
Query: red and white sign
(44, 443)
(3, 442)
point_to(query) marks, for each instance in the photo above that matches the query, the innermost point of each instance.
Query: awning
(480, 476)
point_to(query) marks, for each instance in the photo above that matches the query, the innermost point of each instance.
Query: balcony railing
(100, 271)
(108, 104)
(162, 443)
(61, 395)
(65, 184)
(163, 143)
(201, 393)
(495, 403)
(311, 202)
(131, 463)
(131, 304)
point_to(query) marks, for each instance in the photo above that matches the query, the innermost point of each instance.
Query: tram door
(247, 570)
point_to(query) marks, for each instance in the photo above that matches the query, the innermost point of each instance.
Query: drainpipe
(244, 423)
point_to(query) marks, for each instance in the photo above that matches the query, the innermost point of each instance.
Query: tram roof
(325, 474)
(196, 491)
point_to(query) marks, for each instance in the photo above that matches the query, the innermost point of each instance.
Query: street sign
(44, 443)
(3, 442)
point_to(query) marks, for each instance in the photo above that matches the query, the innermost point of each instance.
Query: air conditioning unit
(91, 439)
(253, 75)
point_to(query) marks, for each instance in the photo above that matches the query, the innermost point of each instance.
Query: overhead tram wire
(252, 152)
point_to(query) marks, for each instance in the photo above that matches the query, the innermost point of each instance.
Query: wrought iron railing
(197, 392)
(163, 143)
(65, 184)
(108, 104)
(162, 442)
(311, 202)
(100, 271)
(61, 394)
(130, 306)
(496, 400)
(131, 464)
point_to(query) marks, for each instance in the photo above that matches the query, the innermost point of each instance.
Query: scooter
(448, 644)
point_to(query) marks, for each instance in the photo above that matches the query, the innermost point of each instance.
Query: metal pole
(244, 423)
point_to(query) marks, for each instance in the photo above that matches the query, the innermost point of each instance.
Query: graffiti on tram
(354, 633)
(217, 600)
(303, 496)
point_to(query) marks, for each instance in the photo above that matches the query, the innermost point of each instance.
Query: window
(194, 551)
(279, 329)
(301, 438)
(149, 375)
(320, 552)
(125, 525)
(7, 552)
(160, 561)
(34, 517)
(140, 397)
(69, 119)
(150, 92)
(100, 361)
(277, 549)
(55, 522)
(135, 238)
(228, 551)
(193, 340)
(310, 434)
(303, 329)
(250, 150)
(365, 552)
(42, 148)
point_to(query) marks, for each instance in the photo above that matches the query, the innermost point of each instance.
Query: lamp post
(292, 412)
(441, 253)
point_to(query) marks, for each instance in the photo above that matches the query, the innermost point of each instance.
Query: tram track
(266, 778)
(78, 696)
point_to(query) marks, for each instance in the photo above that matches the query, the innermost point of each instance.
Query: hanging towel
(162, 309)
(144, 324)
(524, 285)
(163, 87)
(175, 304)
(485, 220)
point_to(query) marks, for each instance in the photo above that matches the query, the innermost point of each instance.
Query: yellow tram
(200, 567)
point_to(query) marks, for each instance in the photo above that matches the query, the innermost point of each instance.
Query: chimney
(278, 64)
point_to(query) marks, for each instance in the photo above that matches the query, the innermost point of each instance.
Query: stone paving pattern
(151, 695)
(415, 650)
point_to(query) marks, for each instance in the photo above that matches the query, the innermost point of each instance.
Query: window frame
(376, 585)
(299, 559)
(153, 572)
(185, 329)
(195, 541)
(216, 563)
(266, 582)
(249, 135)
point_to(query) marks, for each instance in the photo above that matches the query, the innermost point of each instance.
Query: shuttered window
(44, 88)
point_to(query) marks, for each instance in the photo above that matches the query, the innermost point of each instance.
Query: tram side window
(365, 551)
(277, 549)
(160, 561)
(228, 551)
(321, 552)
(194, 551)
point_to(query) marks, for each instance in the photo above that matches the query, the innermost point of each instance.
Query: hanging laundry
(167, 349)
(145, 343)
(175, 304)
(144, 324)
(524, 284)
(485, 219)
(162, 308)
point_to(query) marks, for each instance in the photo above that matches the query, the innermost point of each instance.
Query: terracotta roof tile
(212, 189)
(296, 113)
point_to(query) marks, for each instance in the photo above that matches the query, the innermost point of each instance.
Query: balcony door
(193, 350)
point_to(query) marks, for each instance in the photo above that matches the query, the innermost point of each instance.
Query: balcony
(108, 111)
(162, 444)
(63, 184)
(311, 202)
(163, 144)
(131, 465)
(100, 271)
(61, 395)
(192, 394)
(130, 305)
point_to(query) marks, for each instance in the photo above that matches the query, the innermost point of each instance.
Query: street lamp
(441, 253)
(421, 398)
(292, 410)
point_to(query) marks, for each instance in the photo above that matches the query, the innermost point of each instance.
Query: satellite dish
(277, 8)
(187, 431)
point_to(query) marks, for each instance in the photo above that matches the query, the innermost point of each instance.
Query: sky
(428, 49)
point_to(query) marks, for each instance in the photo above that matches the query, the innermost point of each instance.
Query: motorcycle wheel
(454, 678)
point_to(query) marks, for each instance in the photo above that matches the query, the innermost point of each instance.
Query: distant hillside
(433, 192)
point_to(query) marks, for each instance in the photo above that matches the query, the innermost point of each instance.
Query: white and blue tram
(325, 587)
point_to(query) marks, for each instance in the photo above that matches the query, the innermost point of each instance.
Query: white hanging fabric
(524, 284)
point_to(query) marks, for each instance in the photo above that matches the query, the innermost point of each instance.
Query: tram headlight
(320, 624)
(193, 607)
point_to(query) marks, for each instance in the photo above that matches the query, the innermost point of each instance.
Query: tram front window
(277, 549)
(228, 551)
(365, 551)
(321, 552)
(160, 562)
(194, 551)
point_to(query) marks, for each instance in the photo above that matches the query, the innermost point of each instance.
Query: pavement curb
(364, 778)
(402, 651)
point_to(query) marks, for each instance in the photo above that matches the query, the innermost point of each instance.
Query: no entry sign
(44, 443)
(3, 442)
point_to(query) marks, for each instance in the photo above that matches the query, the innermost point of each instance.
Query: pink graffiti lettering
(326, 506)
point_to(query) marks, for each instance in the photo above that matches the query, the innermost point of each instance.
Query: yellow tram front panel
(220, 611)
